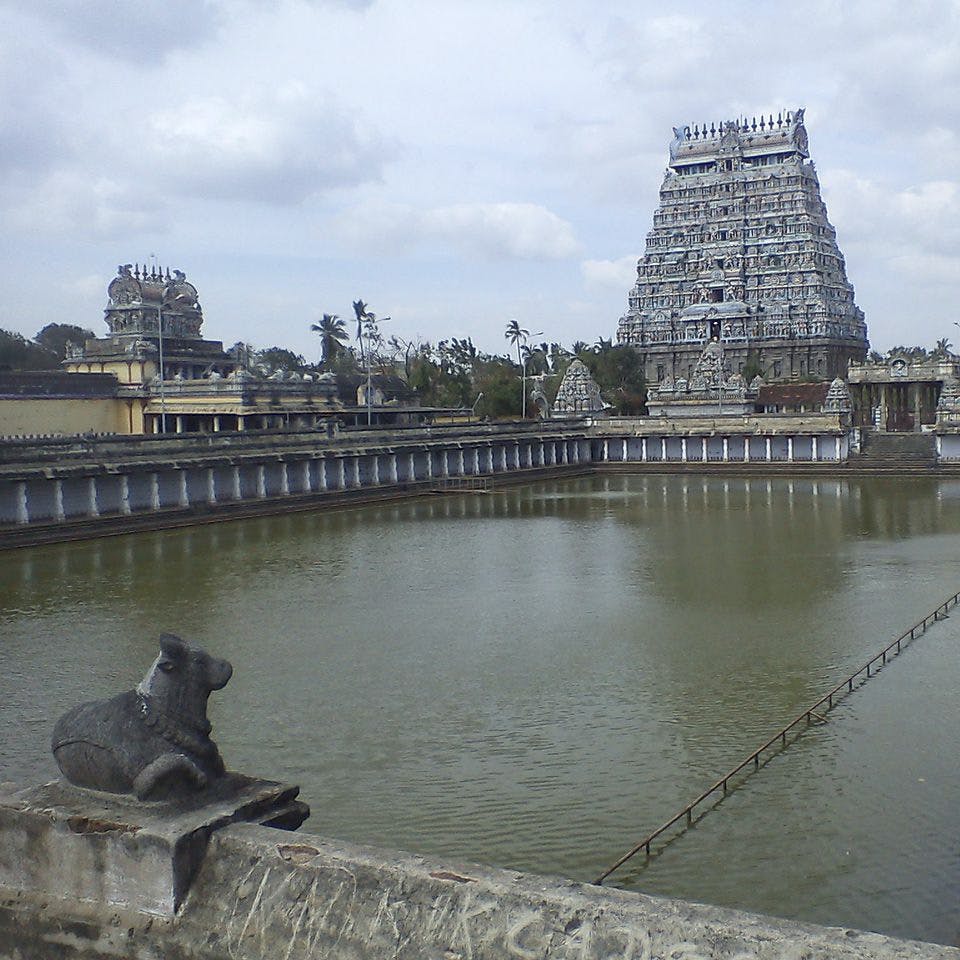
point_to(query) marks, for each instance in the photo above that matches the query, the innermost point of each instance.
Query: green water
(537, 678)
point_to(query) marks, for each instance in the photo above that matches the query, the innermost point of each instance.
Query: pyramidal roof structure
(741, 251)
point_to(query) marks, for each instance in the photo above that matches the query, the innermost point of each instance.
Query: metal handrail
(811, 712)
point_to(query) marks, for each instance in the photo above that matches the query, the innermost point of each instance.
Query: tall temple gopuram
(741, 251)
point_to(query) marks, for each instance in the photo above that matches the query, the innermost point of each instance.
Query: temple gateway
(741, 252)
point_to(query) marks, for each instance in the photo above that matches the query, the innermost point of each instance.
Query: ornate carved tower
(741, 251)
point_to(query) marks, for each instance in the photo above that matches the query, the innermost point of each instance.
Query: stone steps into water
(898, 449)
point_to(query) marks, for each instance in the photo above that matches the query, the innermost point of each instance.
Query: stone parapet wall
(263, 893)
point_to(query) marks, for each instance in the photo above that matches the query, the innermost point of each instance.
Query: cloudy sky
(455, 164)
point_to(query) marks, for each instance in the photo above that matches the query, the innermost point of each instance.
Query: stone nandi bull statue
(153, 741)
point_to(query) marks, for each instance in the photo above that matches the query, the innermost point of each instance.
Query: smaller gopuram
(742, 252)
(578, 394)
(154, 319)
(171, 380)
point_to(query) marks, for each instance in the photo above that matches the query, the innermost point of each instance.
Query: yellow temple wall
(43, 416)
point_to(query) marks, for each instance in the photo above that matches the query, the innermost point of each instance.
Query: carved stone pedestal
(64, 842)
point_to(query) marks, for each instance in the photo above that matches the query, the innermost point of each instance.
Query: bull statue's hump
(154, 740)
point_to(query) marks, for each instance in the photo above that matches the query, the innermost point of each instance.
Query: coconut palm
(333, 337)
(517, 336)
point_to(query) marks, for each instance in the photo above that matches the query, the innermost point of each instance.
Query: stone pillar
(837, 448)
(411, 467)
(444, 462)
(93, 508)
(516, 454)
(284, 479)
(357, 481)
(154, 491)
(394, 474)
(237, 489)
(683, 449)
(703, 449)
(179, 422)
(211, 487)
(746, 449)
(429, 464)
(643, 449)
(23, 511)
(462, 460)
(606, 451)
(184, 489)
(375, 470)
(305, 483)
(341, 474)
(626, 450)
(767, 445)
(490, 458)
(58, 499)
(726, 449)
(216, 423)
(814, 448)
(663, 448)
(790, 449)
(240, 423)
(261, 482)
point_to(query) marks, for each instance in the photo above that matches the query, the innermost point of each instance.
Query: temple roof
(748, 138)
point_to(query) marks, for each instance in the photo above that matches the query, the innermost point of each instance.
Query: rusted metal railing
(827, 700)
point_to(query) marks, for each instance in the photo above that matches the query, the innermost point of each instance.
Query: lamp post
(163, 402)
(368, 333)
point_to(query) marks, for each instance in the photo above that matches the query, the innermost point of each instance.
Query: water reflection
(538, 676)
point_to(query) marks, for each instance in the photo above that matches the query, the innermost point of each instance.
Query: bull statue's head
(182, 678)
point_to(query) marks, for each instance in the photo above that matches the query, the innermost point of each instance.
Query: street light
(370, 321)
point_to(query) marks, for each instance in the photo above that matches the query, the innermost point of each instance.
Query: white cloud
(620, 274)
(67, 203)
(142, 32)
(525, 231)
(279, 148)
(492, 231)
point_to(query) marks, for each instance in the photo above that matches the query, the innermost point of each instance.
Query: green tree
(333, 338)
(55, 337)
(517, 336)
(273, 359)
(18, 353)
(618, 371)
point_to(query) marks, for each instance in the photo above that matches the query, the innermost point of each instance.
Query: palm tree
(518, 337)
(333, 337)
(942, 350)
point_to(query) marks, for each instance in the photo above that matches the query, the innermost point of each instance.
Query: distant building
(741, 252)
(902, 393)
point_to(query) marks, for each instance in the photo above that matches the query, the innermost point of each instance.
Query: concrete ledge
(261, 893)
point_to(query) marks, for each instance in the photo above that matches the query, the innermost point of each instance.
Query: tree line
(443, 373)
(45, 351)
